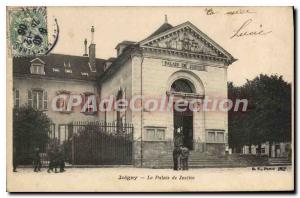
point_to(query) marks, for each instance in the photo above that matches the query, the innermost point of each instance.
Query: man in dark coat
(61, 159)
(184, 157)
(56, 158)
(52, 162)
(37, 160)
(176, 155)
(15, 159)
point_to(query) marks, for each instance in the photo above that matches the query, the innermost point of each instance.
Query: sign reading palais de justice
(183, 65)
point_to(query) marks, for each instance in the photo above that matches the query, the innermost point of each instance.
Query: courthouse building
(174, 61)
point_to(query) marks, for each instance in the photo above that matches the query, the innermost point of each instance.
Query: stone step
(279, 161)
(196, 162)
(207, 162)
(207, 166)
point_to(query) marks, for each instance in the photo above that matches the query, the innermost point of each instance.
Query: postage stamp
(28, 31)
(150, 99)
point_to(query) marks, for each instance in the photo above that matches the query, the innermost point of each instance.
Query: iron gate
(96, 143)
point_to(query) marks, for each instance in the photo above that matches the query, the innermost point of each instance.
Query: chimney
(85, 48)
(92, 52)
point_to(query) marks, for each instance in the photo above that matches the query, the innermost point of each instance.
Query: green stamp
(29, 32)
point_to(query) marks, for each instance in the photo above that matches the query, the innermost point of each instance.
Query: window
(45, 100)
(160, 134)
(89, 97)
(37, 66)
(150, 134)
(215, 136)
(38, 99)
(68, 71)
(119, 97)
(182, 85)
(211, 136)
(154, 134)
(105, 112)
(55, 69)
(62, 102)
(16, 98)
(68, 68)
(220, 137)
(37, 69)
(107, 64)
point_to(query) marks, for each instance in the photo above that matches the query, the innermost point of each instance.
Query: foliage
(30, 130)
(268, 116)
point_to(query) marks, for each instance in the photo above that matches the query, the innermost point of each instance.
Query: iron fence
(92, 143)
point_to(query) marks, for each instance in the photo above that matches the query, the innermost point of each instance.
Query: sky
(271, 53)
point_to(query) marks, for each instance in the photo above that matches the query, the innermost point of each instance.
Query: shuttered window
(215, 136)
(38, 99)
(16, 98)
(154, 134)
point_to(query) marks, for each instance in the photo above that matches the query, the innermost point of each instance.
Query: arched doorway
(183, 120)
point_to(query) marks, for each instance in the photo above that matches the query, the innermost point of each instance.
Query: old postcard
(150, 99)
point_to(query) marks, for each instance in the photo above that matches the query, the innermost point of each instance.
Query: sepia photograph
(150, 99)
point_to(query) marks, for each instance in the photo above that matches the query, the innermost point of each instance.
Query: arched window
(119, 118)
(182, 85)
(119, 97)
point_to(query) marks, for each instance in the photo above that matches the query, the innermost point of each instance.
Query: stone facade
(146, 73)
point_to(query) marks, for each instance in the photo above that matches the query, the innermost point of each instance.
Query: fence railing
(93, 142)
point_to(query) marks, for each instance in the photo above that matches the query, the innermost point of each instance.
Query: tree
(30, 130)
(268, 116)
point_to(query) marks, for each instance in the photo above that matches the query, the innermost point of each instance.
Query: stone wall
(155, 79)
(215, 149)
(152, 152)
(121, 80)
(52, 87)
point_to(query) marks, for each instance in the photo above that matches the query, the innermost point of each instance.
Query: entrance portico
(188, 125)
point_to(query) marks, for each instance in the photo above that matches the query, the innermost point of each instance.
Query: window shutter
(40, 100)
(29, 98)
(45, 100)
(17, 98)
(82, 103)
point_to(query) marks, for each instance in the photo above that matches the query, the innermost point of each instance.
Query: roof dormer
(121, 46)
(108, 63)
(68, 68)
(37, 66)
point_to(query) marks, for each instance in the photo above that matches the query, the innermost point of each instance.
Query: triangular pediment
(189, 39)
(37, 61)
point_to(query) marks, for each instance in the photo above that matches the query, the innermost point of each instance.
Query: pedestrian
(15, 159)
(37, 160)
(178, 139)
(55, 158)
(51, 156)
(61, 159)
(184, 157)
(176, 155)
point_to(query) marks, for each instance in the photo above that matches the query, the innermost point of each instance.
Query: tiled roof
(164, 27)
(118, 62)
(125, 43)
(55, 65)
